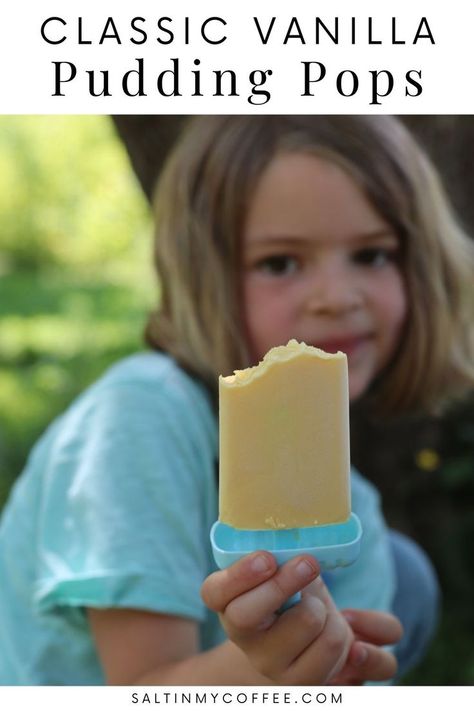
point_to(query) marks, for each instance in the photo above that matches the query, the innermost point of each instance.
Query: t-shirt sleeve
(123, 508)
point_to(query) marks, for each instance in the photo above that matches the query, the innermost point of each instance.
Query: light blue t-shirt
(114, 509)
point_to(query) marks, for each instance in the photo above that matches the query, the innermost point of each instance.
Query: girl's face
(321, 265)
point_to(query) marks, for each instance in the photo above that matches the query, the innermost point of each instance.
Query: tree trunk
(449, 140)
(148, 140)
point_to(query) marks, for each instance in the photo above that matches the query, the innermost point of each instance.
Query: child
(333, 231)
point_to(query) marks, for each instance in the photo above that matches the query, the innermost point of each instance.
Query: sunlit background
(75, 275)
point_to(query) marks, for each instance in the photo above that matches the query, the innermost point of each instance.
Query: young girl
(333, 231)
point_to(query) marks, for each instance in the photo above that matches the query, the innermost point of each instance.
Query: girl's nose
(334, 291)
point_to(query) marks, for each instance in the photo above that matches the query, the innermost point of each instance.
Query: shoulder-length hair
(200, 207)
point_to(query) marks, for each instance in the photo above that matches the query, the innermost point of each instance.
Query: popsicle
(284, 482)
(284, 441)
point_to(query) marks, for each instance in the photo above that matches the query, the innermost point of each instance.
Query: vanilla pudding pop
(284, 460)
(284, 441)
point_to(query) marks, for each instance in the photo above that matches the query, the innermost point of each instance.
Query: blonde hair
(201, 203)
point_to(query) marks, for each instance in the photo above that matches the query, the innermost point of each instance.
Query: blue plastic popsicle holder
(335, 545)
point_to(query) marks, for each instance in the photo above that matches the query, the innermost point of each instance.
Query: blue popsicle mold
(334, 545)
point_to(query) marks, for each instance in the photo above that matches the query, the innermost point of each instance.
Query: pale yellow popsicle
(284, 441)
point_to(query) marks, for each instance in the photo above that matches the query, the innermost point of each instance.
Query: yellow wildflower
(427, 459)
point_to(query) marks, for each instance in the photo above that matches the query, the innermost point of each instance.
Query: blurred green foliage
(67, 195)
(75, 280)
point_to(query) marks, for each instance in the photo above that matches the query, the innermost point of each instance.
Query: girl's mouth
(348, 345)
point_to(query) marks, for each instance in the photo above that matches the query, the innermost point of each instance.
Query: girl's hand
(366, 660)
(311, 643)
(307, 644)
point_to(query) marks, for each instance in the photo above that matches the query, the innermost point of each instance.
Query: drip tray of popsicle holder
(333, 545)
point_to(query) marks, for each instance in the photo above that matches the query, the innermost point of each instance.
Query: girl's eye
(375, 256)
(278, 265)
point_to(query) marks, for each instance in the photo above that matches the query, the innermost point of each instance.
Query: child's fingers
(248, 612)
(326, 656)
(375, 627)
(318, 588)
(371, 663)
(223, 586)
(290, 634)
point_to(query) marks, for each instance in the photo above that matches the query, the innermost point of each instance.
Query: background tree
(448, 139)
